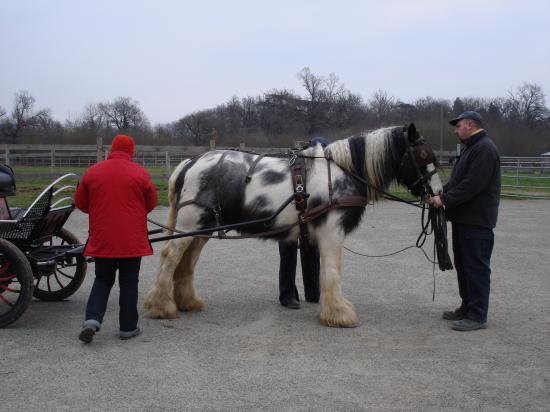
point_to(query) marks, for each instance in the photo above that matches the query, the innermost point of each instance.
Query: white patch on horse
(435, 181)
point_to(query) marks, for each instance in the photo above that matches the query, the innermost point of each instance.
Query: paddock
(246, 352)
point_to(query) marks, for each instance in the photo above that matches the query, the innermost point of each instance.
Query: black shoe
(456, 314)
(125, 335)
(466, 325)
(291, 304)
(86, 335)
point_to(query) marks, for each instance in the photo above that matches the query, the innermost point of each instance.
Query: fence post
(167, 163)
(518, 165)
(213, 138)
(52, 158)
(7, 154)
(99, 148)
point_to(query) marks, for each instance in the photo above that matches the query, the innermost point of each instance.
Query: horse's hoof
(339, 324)
(164, 311)
(347, 319)
(194, 305)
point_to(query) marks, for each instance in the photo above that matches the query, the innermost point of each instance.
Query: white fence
(87, 155)
(516, 171)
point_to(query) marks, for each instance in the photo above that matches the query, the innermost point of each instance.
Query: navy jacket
(472, 194)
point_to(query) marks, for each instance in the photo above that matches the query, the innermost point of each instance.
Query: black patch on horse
(180, 180)
(271, 177)
(357, 150)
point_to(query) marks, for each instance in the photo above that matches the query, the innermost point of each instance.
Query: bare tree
(312, 83)
(233, 113)
(381, 104)
(527, 103)
(198, 125)
(22, 117)
(93, 117)
(2, 112)
(323, 95)
(281, 111)
(124, 114)
(250, 112)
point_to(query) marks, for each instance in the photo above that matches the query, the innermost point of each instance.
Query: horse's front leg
(336, 311)
(185, 296)
(160, 300)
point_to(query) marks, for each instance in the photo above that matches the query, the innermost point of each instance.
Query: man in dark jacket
(117, 194)
(471, 199)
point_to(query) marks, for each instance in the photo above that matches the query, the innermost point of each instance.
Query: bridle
(418, 154)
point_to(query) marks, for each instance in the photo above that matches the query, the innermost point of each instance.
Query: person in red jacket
(117, 194)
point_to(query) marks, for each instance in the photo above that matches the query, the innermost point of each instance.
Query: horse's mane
(367, 155)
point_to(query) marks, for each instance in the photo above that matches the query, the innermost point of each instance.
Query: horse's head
(418, 167)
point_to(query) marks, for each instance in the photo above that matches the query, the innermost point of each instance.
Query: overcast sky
(177, 57)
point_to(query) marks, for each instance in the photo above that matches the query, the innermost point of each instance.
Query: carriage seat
(45, 216)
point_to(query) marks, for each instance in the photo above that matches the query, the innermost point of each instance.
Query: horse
(228, 186)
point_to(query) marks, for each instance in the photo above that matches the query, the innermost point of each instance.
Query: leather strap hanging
(298, 172)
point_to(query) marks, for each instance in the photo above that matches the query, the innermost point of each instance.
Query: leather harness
(298, 173)
(298, 179)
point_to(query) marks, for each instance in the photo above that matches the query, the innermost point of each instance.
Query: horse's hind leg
(336, 311)
(185, 295)
(160, 300)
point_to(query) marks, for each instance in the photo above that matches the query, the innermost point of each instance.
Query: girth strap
(252, 167)
(348, 201)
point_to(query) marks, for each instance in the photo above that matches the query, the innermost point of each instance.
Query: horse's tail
(173, 196)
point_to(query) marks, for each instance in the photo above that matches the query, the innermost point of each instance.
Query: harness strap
(348, 201)
(193, 202)
(424, 178)
(216, 208)
(248, 177)
(251, 236)
(330, 191)
(298, 172)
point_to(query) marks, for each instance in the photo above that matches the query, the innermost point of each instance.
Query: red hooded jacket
(117, 194)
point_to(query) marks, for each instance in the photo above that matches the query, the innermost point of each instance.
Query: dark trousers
(128, 278)
(472, 248)
(309, 258)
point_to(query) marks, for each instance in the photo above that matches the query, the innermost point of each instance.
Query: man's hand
(435, 202)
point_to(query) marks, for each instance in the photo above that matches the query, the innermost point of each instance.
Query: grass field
(32, 180)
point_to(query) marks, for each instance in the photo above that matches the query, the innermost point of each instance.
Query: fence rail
(87, 155)
(521, 176)
(526, 177)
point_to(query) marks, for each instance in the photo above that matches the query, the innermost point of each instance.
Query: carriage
(38, 256)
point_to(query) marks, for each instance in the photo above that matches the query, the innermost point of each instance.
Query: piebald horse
(226, 187)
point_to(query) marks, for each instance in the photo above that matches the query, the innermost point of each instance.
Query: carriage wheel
(65, 277)
(16, 283)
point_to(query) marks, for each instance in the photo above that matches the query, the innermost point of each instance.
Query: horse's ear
(412, 133)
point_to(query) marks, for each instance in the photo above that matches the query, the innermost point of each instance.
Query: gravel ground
(246, 352)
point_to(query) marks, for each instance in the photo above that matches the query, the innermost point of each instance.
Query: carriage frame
(38, 256)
